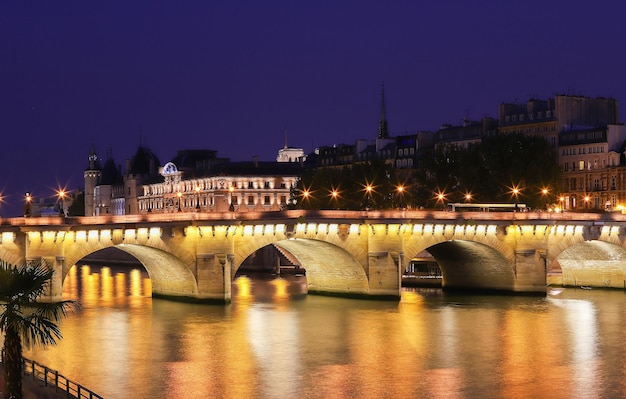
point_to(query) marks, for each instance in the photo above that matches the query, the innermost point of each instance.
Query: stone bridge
(194, 256)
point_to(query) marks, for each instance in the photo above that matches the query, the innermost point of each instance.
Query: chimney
(255, 159)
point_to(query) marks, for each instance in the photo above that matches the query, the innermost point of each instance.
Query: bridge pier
(214, 276)
(385, 273)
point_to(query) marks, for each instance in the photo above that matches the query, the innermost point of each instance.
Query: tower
(383, 131)
(92, 178)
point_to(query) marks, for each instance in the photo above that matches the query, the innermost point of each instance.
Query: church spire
(383, 131)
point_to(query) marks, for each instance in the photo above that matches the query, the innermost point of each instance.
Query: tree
(490, 170)
(25, 319)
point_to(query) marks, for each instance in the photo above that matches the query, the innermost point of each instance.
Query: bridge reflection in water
(270, 343)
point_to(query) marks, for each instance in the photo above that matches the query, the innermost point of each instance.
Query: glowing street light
(368, 196)
(468, 197)
(400, 190)
(28, 206)
(179, 195)
(61, 194)
(441, 197)
(334, 196)
(587, 199)
(544, 192)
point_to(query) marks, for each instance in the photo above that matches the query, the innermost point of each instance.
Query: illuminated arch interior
(328, 267)
(472, 265)
(169, 276)
(595, 263)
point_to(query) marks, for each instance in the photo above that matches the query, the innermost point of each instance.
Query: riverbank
(34, 389)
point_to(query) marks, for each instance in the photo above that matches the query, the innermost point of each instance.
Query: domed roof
(145, 162)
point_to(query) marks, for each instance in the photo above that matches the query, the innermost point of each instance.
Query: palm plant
(25, 320)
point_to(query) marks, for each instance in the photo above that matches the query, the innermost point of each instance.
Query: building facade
(202, 183)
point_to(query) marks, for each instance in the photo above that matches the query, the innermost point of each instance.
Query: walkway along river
(274, 342)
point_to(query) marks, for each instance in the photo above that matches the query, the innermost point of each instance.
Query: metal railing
(54, 379)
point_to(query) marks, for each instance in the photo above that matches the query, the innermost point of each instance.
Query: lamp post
(179, 195)
(468, 197)
(334, 196)
(305, 197)
(562, 201)
(231, 207)
(61, 194)
(368, 200)
(441, 197)
(515, 192)
(28, 206)
(400, 190)
(587, 199)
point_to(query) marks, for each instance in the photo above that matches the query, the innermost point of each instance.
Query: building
(232, 186)
(593, 168)
(470, 132)
(193, 181)
(589, 139)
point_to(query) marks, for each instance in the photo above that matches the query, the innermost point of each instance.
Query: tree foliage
(316, 186)
(491, 169)
(25, 320)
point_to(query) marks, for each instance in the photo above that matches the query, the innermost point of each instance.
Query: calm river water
(272, 342)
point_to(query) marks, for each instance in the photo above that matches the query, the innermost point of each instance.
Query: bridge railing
(308, 215)
(53, 379)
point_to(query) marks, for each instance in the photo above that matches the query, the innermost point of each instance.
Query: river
(274, 342)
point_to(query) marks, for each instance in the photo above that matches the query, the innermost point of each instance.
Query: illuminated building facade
(194, 181)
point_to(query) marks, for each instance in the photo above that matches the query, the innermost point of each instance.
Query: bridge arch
(472, 265)
(329, 268)
(169, 275)
(592, 263)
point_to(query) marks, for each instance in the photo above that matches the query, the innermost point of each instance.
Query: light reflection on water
(275, 342)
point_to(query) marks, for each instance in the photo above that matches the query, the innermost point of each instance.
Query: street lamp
(468, 197)
(334, 196)
(28, 206)
(61, 194)
(179, 195)
(562, 201)
(587, 199)
(400, 190)
(441, 197)
(231, 207)
(368, 191)
(305, 196)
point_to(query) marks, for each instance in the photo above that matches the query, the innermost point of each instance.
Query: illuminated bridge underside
(472, 265)
(594, 263)
(169, 276)
(329, 269)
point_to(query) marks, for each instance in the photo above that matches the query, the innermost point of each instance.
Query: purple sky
(232, 76)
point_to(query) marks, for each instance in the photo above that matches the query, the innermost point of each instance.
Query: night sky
(234, 76)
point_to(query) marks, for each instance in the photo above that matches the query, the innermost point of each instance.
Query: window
(266, 200)
(267, 184)
(581, 165)
(251, 200)
(250, 184)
